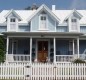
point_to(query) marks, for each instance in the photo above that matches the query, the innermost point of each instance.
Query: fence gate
(40, 71)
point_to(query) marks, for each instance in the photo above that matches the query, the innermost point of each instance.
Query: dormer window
(74, 24)
(12, 20)
(43, 22)
(74, 20)
(13, 24)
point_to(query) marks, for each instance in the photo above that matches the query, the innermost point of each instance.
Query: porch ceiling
(42, 34)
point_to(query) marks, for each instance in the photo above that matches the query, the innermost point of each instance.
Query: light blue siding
(50, 23)
(83, 29)
(3, 29)
(35, 23)
(61, 28)
(62, 47)
(24, 28)
(82, 46)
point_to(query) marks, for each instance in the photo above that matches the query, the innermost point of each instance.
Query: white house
(44, 35)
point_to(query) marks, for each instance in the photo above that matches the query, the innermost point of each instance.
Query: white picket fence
(43, 71)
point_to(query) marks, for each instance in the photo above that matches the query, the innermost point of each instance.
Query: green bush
(2, 49)
(79, 61)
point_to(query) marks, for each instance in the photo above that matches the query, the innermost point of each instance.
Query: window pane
(44, 18)
(12, 20)
(43, 22)
(74, 20)
(41, 17)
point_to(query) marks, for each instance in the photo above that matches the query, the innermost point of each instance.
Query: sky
(60, 4)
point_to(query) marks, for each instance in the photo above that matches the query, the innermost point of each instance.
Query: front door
(42, 51)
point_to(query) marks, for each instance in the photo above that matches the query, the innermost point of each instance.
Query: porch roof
(42, 34)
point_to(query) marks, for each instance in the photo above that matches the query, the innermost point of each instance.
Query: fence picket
(43, 71)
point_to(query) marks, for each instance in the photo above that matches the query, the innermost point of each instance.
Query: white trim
(7, 48)
(78, 47)
(8, 24)
(44, 7)
(70, 24)
(45, 36)
(30, 49)
(42, 39)
(54, 41)
(14, 13)
(40, 29)
(16, 24)
(80, 16)
(78, 25)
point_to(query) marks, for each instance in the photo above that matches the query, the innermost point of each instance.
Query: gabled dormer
(12, 19)
(73, 21)
(43, 19)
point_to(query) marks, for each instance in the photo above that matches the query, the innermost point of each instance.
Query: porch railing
(21, 57)
(64, 58)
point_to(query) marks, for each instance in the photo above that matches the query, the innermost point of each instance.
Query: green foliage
(79, 61)
(2, 49)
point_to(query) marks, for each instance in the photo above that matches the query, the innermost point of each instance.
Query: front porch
(42, 49)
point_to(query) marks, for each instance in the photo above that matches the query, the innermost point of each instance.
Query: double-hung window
(74, 24)
(12, 24)
(43, 22)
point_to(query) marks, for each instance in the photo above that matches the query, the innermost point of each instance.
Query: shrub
(2, 49)
(79, 61)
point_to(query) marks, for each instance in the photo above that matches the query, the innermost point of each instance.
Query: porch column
(54, 41)
(78, 47)
(73, 47)
(30, 49)
(7, 47)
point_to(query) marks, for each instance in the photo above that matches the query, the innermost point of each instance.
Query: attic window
(12, 20)
(74, 24)
(74, 20)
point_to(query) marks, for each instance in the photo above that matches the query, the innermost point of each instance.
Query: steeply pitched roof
(76, 12)
(12, 11)
(43, 7)
(59, 15)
